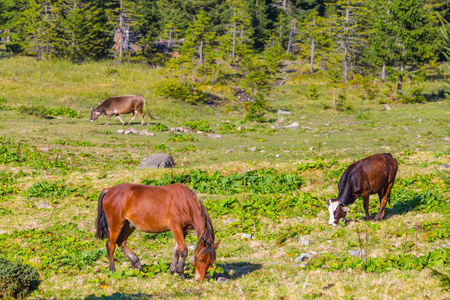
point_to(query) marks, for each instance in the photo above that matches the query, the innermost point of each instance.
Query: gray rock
(283, 112)
(446, 139)
(358, 253)
(277, 155)
(180, 129)
(307, 127)
(446, 245)
(186, 130)
(406, 128)
(128, 131)
(158, 160)
(286, 151)
(302, 257)
(420, 120)
(133, 130)
(229, 151)
(215, 136)
(280, 120)
(46, 148)
(273, 262)
(300, 218)
(253, 149)
(246, 236)
(303, 241)
(229, 221)
(200, 132)
(420, 254)
(312, 253)
(387, 107)
(444, 166)
(222, 280)
(292, 126)
(397, 244)
(44, 205)
(192, 247)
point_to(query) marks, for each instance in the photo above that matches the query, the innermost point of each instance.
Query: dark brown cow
(121, 105)
(372, 175)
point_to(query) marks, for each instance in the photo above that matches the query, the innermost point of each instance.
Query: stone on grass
(444, 166)
(246, 236)
(302, 265)
(222, 280)
(229, 151)
(302, 257)
(358, 253)
(200, 132)
(44, 205)
(158, 160)
(128, 131)
(420, 120)
(215, 136)
(292, 126)
(446, 245)
(387, 107)
(303, 241)
(252, 149)
(284, 112)
(133, 130)
(280, 120)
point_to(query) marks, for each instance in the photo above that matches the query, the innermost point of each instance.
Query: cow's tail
(101, 223)
(148, 113)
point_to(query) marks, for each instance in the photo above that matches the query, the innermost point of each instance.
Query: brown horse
(156, 209)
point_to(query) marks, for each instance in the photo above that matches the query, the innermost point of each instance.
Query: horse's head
(94, 114)
(204, 258)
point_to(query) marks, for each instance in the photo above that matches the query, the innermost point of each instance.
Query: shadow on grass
(240, 269)
(120, 296)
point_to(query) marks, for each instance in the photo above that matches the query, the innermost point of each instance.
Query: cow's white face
(337, 211)
(94, 115)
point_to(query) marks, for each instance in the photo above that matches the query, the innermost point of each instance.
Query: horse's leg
(180, 251)
(107, 119)
(128, 229)
(111, 246)
(132, 118)
(366, 207)
(383, 202)
(142, 118)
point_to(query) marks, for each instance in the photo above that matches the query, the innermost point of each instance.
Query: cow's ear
(92, 108)
(328, 203)
(345, 208)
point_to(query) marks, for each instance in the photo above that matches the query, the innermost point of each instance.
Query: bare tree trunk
(200, 53)
(121, 31)
(346, 44)
(334, 98)
(170, 40)
(400, 84)
(383, 72)
(291, 33)
(284, 3)
(312, 47)
(234, 36)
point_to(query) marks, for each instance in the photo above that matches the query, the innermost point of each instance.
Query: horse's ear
(328, 203)
(216, 245)
(92, 108)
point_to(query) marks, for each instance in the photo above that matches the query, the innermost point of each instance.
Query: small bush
(159, 127)
(198, 125)
(17, 280)
(178, 137)
(256, 109)
(188, 92)
(42, 111)
(416, 96)
(312, 93)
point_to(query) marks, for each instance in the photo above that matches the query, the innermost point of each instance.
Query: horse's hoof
(182, 276)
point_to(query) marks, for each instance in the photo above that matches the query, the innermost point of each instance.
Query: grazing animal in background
(372, 175)
(121, 105)
(156, 209)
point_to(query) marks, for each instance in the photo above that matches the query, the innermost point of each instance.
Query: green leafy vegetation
(17, 280)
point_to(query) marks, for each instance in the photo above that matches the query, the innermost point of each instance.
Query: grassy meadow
(67, 161)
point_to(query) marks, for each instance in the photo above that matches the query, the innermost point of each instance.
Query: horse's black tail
(101, 223)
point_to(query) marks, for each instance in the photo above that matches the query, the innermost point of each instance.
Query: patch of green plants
(42, 111)
(182, 91)
(74, 143)
(179, 137)
(438, 257)
(59, 248)
(3, 101)
(159, 127)
(201, 125)
(435, 230)
(147, 271)
(17, 280)
(318, 164)
(415, 96)
(257, 109)
(7, 184)
(161, 147)
(189, 148)
(262, 181)
(311, 93)
(48, 189)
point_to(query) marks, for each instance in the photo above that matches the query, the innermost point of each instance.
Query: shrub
(312, 93)
(17, 280)
(256, 109)
(198, 125)
(42, 111)
(188, 92)
(159, 127)
(416, 96)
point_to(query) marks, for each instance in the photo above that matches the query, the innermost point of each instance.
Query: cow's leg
(383, 202)
(107, 119)
(180, 251)
(128, 229)
(121, 121)
(142, 118)
(134, 116)
(366, 207)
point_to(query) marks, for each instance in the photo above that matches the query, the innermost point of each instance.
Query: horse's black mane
(206, 240)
